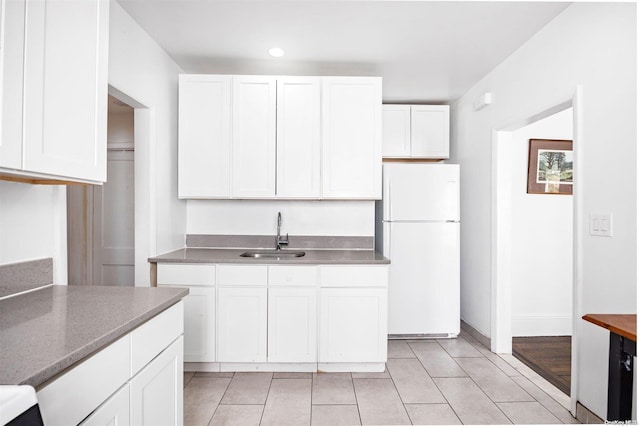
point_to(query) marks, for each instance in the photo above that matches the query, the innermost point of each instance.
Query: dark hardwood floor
(550, 357)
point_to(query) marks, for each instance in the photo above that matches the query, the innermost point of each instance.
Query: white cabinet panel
(65, 88)
(186, 274)
(298, 136)
(430, 131)
(199, 323)
(290, 275)
(115, 411)
(156, 392)
(292, 325)
(242, 275)
(254, 137)
(242, 324)
(351, 132)
(154, 335)
(204, 136)
(74, 395)
(396, 130)
(353, 325)
(353, 276)
(11, 83)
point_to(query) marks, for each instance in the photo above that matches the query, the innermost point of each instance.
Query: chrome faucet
(279, 240)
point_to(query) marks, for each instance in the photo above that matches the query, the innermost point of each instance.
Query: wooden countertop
(620, 324)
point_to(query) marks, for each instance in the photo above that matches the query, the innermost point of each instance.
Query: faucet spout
(279, 240)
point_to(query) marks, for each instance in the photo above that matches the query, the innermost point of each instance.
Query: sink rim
(273, 254)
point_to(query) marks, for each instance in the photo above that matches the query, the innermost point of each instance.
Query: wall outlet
(601, 224)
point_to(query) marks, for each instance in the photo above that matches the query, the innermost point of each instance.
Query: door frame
(144, 185)
(501, 333)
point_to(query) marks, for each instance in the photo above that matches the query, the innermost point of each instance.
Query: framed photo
(550, 167)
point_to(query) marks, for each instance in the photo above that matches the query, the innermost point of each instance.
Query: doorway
(101, 238)
(541, 272)
(503, 247)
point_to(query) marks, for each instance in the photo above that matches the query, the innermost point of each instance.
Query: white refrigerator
(418, 229)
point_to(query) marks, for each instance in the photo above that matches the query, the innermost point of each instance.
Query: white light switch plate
(601, 224)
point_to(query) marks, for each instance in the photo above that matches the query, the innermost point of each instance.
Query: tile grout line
(398, 392)
(219, 403)
(436, 385)
(264, 406)
(353, 385)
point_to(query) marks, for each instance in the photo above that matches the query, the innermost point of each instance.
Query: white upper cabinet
(253, 163)
(298, 137)
(65, 88)
(12, 14)
(290, 137)
(204, 151)
(396, 130)
(430, 131)
(351, 132)
(415, 131)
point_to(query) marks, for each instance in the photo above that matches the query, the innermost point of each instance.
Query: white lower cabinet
(199, 307)
(136, 380)
(292, 324)
(242, 324)
(353, 325)
(115, 411)
(156, 392)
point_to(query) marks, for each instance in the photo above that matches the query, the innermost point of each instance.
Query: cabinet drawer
(75, 394)
(242, 275)
(353, 276)
(292, 275)
(152, 337)
(189, 274)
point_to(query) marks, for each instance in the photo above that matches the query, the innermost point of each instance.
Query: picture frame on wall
(550, 167)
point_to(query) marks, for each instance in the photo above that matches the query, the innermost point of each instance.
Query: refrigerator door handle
(387, 201)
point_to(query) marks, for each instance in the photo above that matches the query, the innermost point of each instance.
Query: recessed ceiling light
(276, 52)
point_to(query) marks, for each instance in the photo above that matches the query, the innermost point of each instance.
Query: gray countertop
(317, 257)
(48, 330)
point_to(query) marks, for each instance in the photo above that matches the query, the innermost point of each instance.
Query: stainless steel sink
(273, 254)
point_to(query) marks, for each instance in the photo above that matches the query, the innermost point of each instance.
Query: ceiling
(426, 51)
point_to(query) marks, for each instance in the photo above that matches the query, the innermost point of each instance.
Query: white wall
(249, 217)
(541, 240)
(592, 45)
(142, 71)
(32, 225)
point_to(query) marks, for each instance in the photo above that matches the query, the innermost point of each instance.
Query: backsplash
(23, 276)
(268, 241)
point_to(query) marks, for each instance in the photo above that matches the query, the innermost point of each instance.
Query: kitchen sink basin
(272, 254)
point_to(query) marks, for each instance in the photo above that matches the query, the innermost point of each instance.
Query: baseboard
(541, 325)
(586, 416)
(485, 340)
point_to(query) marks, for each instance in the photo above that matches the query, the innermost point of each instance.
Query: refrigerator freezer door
(424, 277)
(422, 192)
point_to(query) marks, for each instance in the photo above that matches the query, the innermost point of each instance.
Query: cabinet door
(253, 165)
(396, 130)
(351, 137)
(353, 325)
(156, 392)
(199, 324)
(115, 411)
(430, 131)
(292, 324)
(298, 123)
(242, 324)
(12, 15)
(65, 88)
(204, 136)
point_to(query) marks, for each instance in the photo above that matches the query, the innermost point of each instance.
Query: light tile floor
(455, 381)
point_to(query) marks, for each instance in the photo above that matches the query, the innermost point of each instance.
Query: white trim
(500, 242)
(541, 325)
